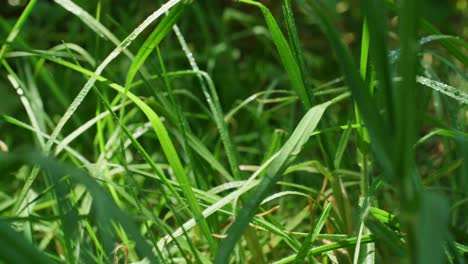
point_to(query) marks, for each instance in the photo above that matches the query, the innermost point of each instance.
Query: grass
(247, 132)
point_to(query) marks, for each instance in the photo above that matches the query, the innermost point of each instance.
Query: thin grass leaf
(291, 148)
(209, 91)
(443, 88)
(329, 247)
(158, 34)
(173, 159)
(286, 55)
(378, 130)
(17, 28)
(301, 255)
(296, 46)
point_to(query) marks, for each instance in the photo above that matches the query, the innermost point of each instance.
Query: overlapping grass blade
(209, 91)
(286, 55)
(174, 161)
(290, 149)
(15, 249)
(301, 255)
(17, 28)
(107, 212)
(89, 84)
(378, 130)
(158, 34)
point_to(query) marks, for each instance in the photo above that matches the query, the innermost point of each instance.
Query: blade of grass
(212, 98)
(329, 247)
(291, 148)
(17, 28)
(286, 55)
(89, 84)
(378, 130)
(173, 159)
(301, 255)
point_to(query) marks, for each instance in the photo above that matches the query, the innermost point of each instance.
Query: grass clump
(245, 132)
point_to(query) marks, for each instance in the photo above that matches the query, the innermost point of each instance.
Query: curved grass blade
(153, 41)
(286, 55)
(173, 159)
(290, 149)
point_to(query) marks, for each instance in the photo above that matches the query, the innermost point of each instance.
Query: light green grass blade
(302, 254)
(17, 28)
(158, 34)
(209, 91)
(452, 92)
(174, 161)
(286, 54)
(91, 22)
(329, 247)
(291, 148)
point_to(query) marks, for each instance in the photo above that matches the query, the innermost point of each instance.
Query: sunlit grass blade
(290, 149)
(153, 41)
(301, 255)
(211, 96)
(174, 161)
(452, 92)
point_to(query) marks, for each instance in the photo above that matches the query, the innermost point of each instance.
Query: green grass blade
(17, 28)
(329, 247)
(291, 148)
(302, 254)
(153, 41)
(452, 92)
(407, 116)
(296, 46)
(378, 130)
(119, 49)
(286, 54)
(374, 11)
(173, 159)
